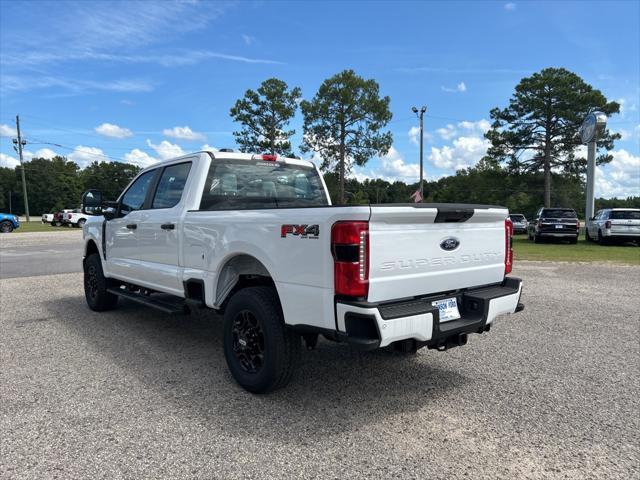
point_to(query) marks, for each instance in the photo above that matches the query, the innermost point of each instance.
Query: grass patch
(37, 226)
(583, 251)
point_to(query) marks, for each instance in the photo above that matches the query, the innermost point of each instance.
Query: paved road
(31, 254)
(553, 392)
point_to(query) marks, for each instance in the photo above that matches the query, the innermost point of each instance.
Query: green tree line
(58, 183)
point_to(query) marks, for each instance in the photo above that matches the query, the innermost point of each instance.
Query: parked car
(557, 223)
(614, 225)
(74, 218)
(519, 222)
(8, 222)
(58, 218)
(47, 218)
(255, 238)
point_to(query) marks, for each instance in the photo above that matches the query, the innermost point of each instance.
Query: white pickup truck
(255, 237)
(74, 218)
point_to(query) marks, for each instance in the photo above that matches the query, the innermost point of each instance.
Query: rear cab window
(255, 184)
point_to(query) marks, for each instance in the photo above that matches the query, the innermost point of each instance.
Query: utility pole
(19, 142)
(593, 126)
(420, 115)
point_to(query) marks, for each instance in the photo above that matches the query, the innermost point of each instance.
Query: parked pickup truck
(255, 237)
(74, 218)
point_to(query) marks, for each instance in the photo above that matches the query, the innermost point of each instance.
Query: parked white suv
(255, 237)
(614, 224)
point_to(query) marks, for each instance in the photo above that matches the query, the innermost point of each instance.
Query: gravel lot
(552, 392)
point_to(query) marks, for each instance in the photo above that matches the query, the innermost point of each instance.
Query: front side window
(171, 185)
(133, 199)
(255, 184)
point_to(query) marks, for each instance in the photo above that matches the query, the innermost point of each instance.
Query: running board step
(173, 308)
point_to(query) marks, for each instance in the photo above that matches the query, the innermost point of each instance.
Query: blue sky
(144, 81)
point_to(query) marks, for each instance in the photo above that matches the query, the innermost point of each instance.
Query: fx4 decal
(302, 231)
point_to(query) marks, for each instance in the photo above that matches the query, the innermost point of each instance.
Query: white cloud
(626, 107)
(208, 148)
(7, 131)
(620, 177)
(414, 135)
(84, 156)
(45, 153)
(510, 6)
(113, 131)
(448, 132)
(392, 167)
(8, 161)
(139, 158)
(476, 128)
(22, 83)
(459, 88)
(248, 39)
(166, 150)
(183, 133)
(465, 152)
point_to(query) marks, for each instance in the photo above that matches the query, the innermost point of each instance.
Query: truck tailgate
(411, 250)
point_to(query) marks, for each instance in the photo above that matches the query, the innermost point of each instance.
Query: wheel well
(240, 272)
(91, 248)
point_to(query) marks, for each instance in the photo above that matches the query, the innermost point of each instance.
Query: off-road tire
(281, 346)
(95, 286)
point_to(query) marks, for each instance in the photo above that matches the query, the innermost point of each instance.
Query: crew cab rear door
(433, 248)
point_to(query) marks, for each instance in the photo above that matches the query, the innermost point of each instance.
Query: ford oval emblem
(449, 244)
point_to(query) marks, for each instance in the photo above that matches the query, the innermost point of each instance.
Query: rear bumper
(371, 326)
(620, 235)
(560, 234)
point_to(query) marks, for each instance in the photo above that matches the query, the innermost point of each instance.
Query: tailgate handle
(167, 226)
(132, 226)
(452, 215)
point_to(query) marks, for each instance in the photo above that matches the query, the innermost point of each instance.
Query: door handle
(167, 226)
(132, 226)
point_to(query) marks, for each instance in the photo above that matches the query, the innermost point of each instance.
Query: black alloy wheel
(248, 341)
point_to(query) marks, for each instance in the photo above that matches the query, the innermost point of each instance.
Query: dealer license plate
(448, 309)
(559, 226)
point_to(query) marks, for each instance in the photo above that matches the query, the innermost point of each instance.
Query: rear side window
(251, 184)
(558, 213)
(133, 199)
(624, 215)
(171, 185)
(517, 218)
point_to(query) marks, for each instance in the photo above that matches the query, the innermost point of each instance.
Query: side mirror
(109, 210)
(92, 202)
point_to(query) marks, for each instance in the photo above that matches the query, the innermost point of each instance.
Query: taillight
(508, 245)
(350, 248)
(69, 216)
(607, 224)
